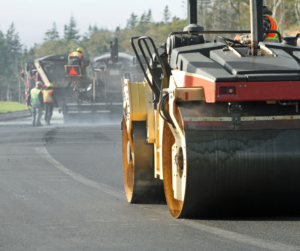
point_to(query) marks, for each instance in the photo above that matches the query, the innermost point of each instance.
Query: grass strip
(6, 107)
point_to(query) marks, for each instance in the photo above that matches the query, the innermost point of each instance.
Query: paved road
(61, 188)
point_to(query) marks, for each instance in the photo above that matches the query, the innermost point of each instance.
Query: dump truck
(214, 128)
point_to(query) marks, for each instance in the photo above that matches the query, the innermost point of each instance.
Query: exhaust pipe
(256, 14)
(114, 50)
(192, 11)
(192, 27)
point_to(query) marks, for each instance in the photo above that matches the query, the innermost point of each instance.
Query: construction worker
(49, 101)
(35, 98)
(76, 58)
(269, 23)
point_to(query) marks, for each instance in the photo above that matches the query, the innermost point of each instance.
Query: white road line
(107, 189)
(255, 242)
(232, 236)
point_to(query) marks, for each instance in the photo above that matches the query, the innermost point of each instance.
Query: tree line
(11, 61)
(212, 15)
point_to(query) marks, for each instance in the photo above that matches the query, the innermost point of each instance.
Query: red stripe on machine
(239, 91)
(260, 91)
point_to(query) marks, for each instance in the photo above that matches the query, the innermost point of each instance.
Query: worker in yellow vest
(269, 23)
(49, 102)
(35, 99)
(76, 58)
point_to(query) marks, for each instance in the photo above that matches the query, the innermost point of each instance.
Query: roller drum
(234, 171)
(140, 184)
(229, 172)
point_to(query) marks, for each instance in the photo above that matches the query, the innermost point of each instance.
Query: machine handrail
(157, 89)
(209, 32)
(140, 62)
(154, 84)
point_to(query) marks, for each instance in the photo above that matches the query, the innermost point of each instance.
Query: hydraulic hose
(162, 110)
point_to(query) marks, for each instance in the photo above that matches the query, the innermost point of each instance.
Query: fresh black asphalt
(61, 188)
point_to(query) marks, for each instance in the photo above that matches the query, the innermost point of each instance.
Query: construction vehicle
(79, 96)
(71, 90)
(214, 128)
(85, 91)
(28, 76)
(110, 70)
(51, 70)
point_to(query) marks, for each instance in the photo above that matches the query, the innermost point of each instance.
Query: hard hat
(50, 85)
(80, 49)
(265, 3)
(39, 83)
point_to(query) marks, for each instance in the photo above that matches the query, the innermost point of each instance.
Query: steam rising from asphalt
(58, 120)
(95, 119)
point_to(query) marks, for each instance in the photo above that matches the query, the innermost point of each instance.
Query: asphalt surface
(61, 188)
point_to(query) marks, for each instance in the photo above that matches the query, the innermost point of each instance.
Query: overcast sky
(32, 18)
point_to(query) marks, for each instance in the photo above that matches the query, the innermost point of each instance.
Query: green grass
(11, 107)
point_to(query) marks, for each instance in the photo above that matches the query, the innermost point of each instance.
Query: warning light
(23, 79)
(30, 78)
(28, 82)
(73, 71)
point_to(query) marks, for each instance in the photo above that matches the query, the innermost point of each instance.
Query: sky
(32, 18)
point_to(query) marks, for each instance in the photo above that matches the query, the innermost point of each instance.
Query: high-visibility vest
(273, 37)
(34, 93)
(47, 96)
(76, 54)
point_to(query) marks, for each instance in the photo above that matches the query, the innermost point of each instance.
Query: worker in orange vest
(76, 58)
(269, 23)
(49, 101)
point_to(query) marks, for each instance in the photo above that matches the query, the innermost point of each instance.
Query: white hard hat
(39, 83)
(265, 3)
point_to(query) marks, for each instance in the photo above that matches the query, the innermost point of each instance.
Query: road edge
(14, 115)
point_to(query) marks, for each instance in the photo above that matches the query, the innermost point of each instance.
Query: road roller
(214, 128)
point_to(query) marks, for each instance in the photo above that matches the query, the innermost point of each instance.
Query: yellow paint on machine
(135, 96)
(138, 101)
(189, 94)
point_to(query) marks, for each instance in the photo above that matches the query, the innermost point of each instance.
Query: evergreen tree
(132, 21)
(52, 34)
(143, 19)
(13, 41)
(149, 17)
(92, 30)
(3, 52)
(175, 19)
(146, 18)
(71, 33)
(143, 22)
(12, 59)
(166, 15)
